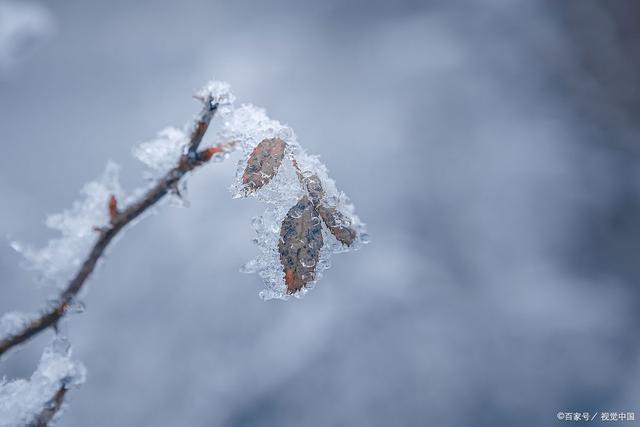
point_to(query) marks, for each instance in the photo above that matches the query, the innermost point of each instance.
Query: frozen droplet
(75, 307)
(257, 223)
(61, 345)
(308, 277)
(249, 267)
(364, 238)
(324, 264)
(332, 201)
(285, 133)
(308, 263)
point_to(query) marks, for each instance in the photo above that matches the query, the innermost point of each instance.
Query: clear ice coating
(22, 400)
(248, 125)
(62, 256)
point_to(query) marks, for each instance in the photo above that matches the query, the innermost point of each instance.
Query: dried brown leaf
(337, 223)
(263, 164)
(300, 244)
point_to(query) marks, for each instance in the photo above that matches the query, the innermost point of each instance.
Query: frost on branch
(162, 153)
(13, 322)
(22, 401)
(307, 220)
(274, 169)
(218, 92)
(62, 256)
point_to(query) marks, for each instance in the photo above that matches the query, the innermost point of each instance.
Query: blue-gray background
(490, 146)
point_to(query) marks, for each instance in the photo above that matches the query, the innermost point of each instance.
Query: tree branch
(119, 219)
(49, 411)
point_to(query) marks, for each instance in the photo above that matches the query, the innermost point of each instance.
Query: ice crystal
(162, 153)
(13, 322)
(62, 256)
(21, 401)
(219, 92)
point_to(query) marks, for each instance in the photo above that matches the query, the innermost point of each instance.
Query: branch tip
(113, 208)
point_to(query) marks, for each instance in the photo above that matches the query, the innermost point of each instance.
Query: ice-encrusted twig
(49, 411)
(35, 402)
(308, 219)
(187, 162)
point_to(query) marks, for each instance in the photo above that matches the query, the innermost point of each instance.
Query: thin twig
(49, 411)
(119, 219)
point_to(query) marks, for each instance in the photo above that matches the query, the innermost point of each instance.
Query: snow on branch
(307, 220)
(38, 400)
(62, 256)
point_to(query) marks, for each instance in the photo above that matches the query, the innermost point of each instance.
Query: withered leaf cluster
(301, 230)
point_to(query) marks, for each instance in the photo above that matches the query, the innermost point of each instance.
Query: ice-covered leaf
(300, 244)
(21, 401)
(263, 163)
(249, 125)
(338, 224)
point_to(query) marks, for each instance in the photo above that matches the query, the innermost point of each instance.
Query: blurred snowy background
(490, 146)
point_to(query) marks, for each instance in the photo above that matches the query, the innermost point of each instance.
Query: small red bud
(113, 208)
(206, 154)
